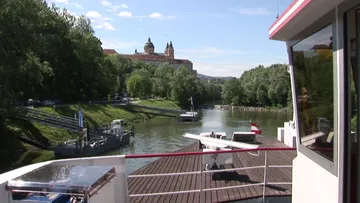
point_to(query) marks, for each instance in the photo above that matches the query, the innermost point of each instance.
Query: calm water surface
(163, 134)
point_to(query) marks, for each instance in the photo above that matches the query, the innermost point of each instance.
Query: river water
(164, 134)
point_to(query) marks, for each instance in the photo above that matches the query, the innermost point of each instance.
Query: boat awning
(300, 15)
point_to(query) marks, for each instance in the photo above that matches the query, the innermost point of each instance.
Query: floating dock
(182, 164)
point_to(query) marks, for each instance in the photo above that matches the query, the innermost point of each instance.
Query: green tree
(162, 80)
(232, 92)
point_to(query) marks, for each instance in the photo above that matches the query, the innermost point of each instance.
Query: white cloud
(77, 5)
(155, 15)
(72, 13)
(105, 3)
(118, 44)
(93, 14)
(98, 21)
(105, 25)
(62, 1)
(159, 16)
(113, 9)
(252, 11)
(234, 69)
(141, 29)
(124, 6)
(125, 14)
(209, 52)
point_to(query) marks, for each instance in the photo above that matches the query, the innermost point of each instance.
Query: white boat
(191, 116)
(209, 160)
(324, 32)
(214, 141)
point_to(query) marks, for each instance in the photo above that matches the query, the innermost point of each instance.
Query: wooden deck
(192, 181)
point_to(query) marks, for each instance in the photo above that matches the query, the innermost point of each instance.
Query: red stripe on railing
(173, 154)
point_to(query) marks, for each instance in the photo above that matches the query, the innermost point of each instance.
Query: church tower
(149, 47)
(169, 50)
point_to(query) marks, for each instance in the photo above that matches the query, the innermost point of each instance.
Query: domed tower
(169, 51)
(149, 47)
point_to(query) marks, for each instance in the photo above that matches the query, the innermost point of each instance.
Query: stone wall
(248, 108)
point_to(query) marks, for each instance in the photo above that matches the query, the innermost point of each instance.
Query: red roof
(155, 57)
(109, 51)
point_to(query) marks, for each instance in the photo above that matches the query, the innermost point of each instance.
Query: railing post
(265, 170)
(202, 180)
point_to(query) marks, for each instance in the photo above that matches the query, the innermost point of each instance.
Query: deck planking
(193, 181)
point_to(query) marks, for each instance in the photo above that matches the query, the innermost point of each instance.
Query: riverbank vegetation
(95, 115)
(260, 87)
(160, 103)
(146, 80)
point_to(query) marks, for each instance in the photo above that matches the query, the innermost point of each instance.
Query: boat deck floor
(179, 164)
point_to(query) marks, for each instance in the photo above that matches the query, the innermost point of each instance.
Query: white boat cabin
(322, 39)
(116, 127)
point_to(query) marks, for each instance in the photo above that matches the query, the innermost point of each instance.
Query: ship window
(312, 60)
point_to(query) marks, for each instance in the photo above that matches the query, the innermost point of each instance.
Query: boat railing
(202, 172)
(120, 183)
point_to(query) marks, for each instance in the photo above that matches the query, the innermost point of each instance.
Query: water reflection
(165, 134)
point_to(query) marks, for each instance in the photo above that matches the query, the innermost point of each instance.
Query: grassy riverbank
(160, 103)
(94, 114)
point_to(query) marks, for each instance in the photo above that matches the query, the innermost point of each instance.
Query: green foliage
(146, 80)
(232, 92)
(139, 85)
(160, 103)
(260, 87)
(162, 80)
(48, 52)
(354, 124)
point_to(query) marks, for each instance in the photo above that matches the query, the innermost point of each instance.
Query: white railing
(202, 171)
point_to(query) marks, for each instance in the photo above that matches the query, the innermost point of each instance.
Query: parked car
(48, 103)
(31, 103)
(58, 101)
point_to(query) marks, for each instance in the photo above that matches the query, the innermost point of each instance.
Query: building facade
(151, 57)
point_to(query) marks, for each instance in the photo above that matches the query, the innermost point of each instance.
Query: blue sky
(221, 38)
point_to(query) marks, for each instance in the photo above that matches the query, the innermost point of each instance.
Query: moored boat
(97, 143)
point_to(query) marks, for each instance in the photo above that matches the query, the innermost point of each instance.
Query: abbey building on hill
(150, 56)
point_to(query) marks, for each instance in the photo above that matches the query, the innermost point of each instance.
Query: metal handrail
(172, 154)
(201, 172)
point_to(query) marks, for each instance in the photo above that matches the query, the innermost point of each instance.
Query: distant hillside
(202, 76)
